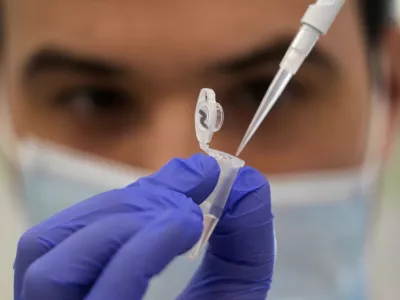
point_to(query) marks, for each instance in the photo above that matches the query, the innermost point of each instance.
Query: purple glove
(111, 245)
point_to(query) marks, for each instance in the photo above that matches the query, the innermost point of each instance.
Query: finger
(248, 215)
(240, 258)
(70, 269)
(127, 275)
(42, 238)
(81, 257)
(195, 177)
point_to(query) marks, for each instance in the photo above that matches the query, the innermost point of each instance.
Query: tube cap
(209, 117)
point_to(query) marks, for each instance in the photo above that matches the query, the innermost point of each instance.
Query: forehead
(152, 31)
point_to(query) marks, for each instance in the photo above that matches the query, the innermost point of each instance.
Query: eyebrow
(273, 53)
(53, 59)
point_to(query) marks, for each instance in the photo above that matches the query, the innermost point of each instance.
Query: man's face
(121, 78)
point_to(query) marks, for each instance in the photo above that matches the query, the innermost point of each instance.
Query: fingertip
(196, 177)
(199, 173)
(206, 165)
(245, 232)
(207, 171)
(250, 180)
(250, 195)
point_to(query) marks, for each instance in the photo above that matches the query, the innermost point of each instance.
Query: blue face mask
(320, 251)
(321, 221)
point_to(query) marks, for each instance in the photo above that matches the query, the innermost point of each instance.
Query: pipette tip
(249, 133)
(240, 149)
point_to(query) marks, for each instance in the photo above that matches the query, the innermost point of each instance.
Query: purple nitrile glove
(111, 245)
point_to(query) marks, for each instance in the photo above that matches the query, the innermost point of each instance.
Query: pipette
(316, 22)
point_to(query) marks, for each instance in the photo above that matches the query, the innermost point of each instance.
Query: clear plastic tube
(214, 205)
(208, 119)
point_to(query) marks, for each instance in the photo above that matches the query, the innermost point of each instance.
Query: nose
(171, 132)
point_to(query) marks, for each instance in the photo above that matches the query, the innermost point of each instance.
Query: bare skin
(121, 78)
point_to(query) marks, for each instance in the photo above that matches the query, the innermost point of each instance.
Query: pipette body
(316, 22)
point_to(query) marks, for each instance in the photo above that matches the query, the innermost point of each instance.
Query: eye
(92, 102)
(251, 93)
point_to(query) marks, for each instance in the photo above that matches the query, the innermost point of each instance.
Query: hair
(375, 16)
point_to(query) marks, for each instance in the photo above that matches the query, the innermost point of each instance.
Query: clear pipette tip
(276, 88)
(316, 21)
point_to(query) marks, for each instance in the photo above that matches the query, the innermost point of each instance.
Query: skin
(163, 53)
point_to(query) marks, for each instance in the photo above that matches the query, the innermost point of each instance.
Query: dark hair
(375, 14)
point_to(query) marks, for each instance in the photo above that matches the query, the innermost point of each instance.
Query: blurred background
(387, 235)
(383, 251)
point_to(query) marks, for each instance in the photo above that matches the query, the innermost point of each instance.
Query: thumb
(239, 261)
(196, 177)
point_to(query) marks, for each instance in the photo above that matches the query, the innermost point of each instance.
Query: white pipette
(316, 22)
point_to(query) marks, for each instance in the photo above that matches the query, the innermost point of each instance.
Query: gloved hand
(111, 245)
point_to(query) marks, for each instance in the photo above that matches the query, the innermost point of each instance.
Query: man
(119, 79)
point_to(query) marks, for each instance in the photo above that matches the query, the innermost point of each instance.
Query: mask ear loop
(373, 162)
(379, 115)
(372, 175)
